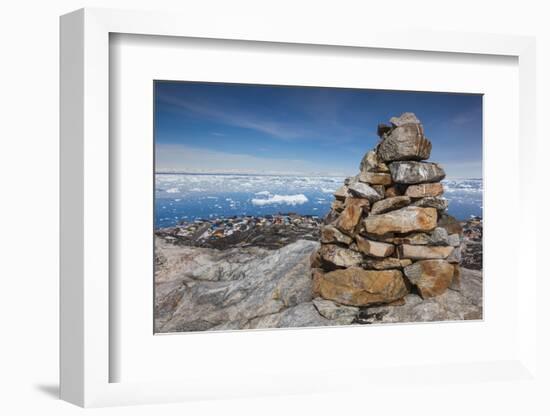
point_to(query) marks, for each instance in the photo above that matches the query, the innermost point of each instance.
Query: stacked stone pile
(388, 233)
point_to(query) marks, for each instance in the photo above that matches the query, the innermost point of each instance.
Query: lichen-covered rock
(375, 178)
(403, 220)
(342, 314)
(404, 119)
(336, 256)
(372, 163)
(424, 190)
(441, 204)
(413, 238)
(330, 234)
(386, 263)
(358, 287)
(389, 204)
(455, 256)
(431, 277)
(381, 189)
(374, 248)
(411, 172)
(406, 142)
(350, 216)
(408, 251)
(439, 237)
(362, 190)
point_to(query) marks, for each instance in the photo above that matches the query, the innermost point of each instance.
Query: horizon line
(282, 174)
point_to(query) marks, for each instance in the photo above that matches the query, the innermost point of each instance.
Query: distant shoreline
(253, 174)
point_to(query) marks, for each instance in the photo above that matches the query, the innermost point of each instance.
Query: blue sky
(215, 127)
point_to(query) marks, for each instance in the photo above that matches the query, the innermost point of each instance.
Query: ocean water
(186, 197)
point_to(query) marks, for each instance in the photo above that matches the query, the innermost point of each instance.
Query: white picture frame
(86, 356)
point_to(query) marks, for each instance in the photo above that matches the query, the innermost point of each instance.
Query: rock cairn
(388, 233)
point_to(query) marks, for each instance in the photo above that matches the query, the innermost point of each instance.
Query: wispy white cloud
(183, 158)
(230, 116)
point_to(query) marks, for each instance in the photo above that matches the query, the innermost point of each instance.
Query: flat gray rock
(302, 315)
(436, 202)
(411, 172)
(362, 190)
(198, 289)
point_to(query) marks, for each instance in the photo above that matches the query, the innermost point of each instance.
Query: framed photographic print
(272, 211)
(287, 206)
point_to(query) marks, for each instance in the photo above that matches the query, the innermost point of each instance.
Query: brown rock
(331, 217)
(403, 220)
(337, 205)
(431, 277)
(374, 248)
(424, 252)
(315, 259)
(455, 283)
(450, 224)
(425, 189)
(372, 163)
(375, 178)
(386, 263)
(390, 204)
(350, 216)
(416, 239)
(391, 192)
(406, 142)
(341, 193)
(358, 287)
(398, 302)
(384, 238)
(330, 234)
(316, 275)
(336, 256)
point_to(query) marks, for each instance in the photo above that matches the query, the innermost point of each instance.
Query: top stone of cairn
(403, 140)
(405, 118)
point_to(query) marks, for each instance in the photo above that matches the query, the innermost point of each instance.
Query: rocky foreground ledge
(254, 272)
